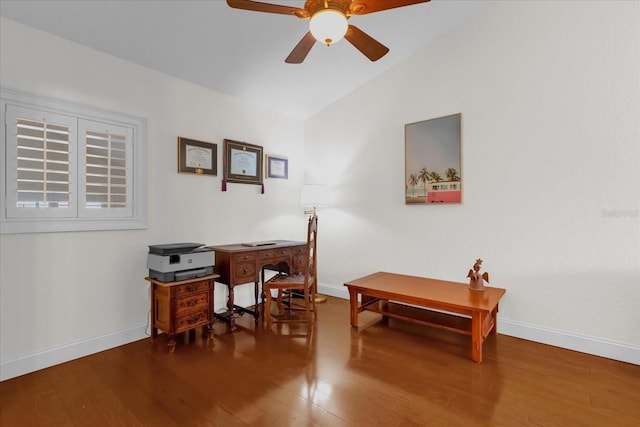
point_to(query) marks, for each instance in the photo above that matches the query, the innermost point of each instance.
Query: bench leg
(494, 313)
(476, 336)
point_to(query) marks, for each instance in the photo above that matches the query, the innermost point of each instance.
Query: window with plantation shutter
(40, 158)
(70, 168)
(107, 169)
(43, 164)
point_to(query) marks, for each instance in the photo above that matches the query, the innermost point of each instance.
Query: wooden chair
(303, 283)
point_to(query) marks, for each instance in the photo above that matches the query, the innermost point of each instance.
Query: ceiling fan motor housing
(315, 6)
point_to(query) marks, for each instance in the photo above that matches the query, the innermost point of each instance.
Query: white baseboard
(582, 343)
(585, 344)
(334, 291)
(44, 359)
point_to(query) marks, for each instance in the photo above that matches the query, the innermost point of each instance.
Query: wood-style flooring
(380, 375)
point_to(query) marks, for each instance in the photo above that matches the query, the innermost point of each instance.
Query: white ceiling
(241, 53)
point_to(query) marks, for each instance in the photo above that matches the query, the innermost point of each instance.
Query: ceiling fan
(328, 23)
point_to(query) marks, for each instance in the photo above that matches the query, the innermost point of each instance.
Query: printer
(179, 261)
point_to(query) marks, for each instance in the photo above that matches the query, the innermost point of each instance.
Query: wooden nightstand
(181, 306)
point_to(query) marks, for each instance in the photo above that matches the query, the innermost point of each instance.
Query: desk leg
(476, 337)
(353, 301)
(262, 294)
(256, 308)
(230, 305)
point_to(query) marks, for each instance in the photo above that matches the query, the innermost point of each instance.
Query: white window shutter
(40, 164)
(106, 166)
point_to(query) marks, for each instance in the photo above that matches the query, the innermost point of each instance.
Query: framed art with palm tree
(433, 161)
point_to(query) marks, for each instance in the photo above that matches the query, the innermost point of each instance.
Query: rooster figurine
(476, 282)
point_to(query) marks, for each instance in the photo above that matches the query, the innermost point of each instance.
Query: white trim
(568, 340)
(332, 290)
(563, 339)
(44, 359)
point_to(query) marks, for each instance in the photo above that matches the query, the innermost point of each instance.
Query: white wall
(549, 94)
(550, 99)
(63, 295)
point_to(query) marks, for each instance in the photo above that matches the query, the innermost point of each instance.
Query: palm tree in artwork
(423, 177)
(434, 177)
(452, 175)
(413, 180)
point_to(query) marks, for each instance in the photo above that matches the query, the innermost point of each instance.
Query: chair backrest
(312, 238)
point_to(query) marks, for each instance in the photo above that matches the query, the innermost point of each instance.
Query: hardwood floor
(382, 375)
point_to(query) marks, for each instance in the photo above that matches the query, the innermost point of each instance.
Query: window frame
(135, 219)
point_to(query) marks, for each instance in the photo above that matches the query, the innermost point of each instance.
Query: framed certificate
(198, 157)
(277, 167)
(242, 162)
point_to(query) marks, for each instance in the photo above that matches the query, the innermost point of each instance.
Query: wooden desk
(378, 289)
(239, 264)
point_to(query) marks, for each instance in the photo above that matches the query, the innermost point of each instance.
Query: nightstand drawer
(192, 302)
(187, 288)
(192, 320)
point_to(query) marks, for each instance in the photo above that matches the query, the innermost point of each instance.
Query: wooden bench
(433, 296)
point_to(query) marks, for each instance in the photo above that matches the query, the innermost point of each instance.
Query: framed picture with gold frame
(277, 167)
(198, 157)
(242, 162)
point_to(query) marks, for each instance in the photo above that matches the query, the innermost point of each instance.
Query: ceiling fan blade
(370, 47)
(362, 7)
(267, 7)
(301, 50)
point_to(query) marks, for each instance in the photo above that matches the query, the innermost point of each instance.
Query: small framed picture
(277, 167)
(242, 162)
(198, 157)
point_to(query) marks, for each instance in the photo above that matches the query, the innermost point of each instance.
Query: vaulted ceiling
(241, 53)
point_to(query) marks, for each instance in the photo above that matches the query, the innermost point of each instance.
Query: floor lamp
(312, 196)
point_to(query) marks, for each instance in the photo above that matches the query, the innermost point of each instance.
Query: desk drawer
(244, 272)
(244, 257)
(300, 250)
(188, 288)
(192, 302)
(189, 321)
(299, 262)
(275, 253)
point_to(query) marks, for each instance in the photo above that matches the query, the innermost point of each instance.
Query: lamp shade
(314, 195)
(328, 26)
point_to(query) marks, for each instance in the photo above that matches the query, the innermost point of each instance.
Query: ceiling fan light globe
(328, 26)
